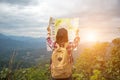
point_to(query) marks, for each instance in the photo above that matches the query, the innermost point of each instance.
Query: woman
(61, 39)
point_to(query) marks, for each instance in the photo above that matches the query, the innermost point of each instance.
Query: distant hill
(20, 42)
(29, 50)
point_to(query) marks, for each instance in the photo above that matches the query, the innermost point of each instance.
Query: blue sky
(30, 17)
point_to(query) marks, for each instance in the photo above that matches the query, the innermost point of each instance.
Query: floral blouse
(71, 45)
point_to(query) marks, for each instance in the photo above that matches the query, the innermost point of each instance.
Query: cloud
(87, 8)
(19, 2)
(30, 17)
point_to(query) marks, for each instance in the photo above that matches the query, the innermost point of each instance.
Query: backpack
(61, 67)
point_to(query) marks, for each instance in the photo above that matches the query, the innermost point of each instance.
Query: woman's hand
(77, 32)
(48, 29)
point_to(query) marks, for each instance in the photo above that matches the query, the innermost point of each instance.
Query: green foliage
(77, 76)
(99, 62)
(113, 69)
(96, 75)
(4, 73)
(116, 41)
(33, 73)
(91, 59)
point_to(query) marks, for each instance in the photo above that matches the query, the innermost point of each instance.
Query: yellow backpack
(61, 67)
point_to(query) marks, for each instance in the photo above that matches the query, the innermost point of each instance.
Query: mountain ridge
(21, 42)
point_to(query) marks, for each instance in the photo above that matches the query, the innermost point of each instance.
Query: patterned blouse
(71, 45)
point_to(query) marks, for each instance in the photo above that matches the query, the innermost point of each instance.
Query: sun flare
(91, 37)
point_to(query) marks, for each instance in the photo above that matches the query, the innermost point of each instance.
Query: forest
(99, 61)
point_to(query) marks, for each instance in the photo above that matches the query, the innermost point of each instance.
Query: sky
(31, 17)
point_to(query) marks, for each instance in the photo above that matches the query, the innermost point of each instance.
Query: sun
(91, 37)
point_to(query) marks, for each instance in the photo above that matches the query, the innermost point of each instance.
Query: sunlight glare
(91, 37)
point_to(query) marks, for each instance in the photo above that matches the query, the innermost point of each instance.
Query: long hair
(62, 36)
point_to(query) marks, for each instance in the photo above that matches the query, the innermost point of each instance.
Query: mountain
(28, 39)
(2, 36)
(29, 50)
(18, 42)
